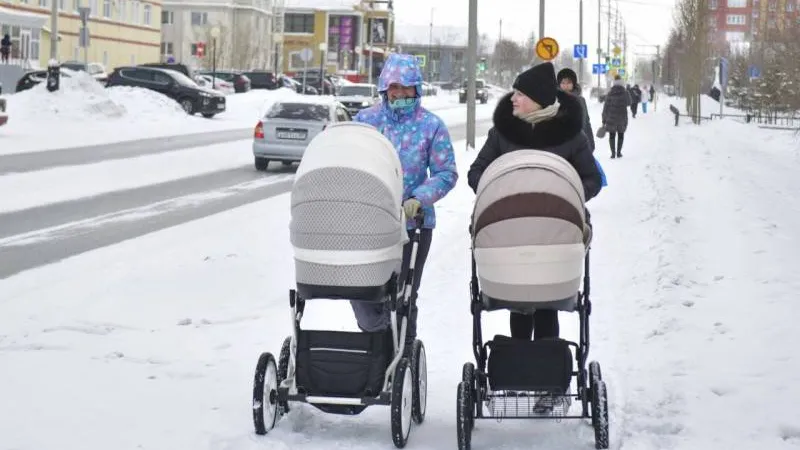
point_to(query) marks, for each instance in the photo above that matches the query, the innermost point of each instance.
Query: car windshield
(365, 91)
(74, 66)
(478, 84)
(299, 111)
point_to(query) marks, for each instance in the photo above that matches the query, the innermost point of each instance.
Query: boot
(411, 330)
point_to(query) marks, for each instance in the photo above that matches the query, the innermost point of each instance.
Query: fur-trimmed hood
(567, 123)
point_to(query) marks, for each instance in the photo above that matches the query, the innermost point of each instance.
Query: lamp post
(323, 49)
(214, 36)
(277, 38)
(357, 51)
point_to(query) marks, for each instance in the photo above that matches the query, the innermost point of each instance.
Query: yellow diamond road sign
(547, 49)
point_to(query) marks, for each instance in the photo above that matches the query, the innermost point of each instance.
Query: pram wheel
(464, 408)
(283, 370)
(600, 414)
(265, 394)
(468, 377)
(419, 375)
(401, 403)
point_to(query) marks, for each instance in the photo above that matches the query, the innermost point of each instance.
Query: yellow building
(346, 36)
(121, 32)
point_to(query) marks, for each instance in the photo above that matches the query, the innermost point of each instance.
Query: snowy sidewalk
(152, 342)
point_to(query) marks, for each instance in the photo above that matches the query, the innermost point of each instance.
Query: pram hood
(528, 227)
(347, 224)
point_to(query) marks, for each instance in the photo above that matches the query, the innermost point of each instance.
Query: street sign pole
(84, 12)
(580, 39)
(472, 62)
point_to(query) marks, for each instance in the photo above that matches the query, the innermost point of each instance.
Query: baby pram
(530, 249)
(348, 230)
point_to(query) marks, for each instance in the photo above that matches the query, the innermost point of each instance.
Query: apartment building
(737, 21)
(122, 31)
(248, 33)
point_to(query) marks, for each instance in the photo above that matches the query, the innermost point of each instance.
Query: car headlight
(462, 91)
(365, 103)
(205, 94)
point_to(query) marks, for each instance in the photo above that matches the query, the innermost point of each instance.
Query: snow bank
(80, 99)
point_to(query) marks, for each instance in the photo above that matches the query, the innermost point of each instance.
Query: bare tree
(243, 48)
(508, 59)
(218, 48)
(693, 32)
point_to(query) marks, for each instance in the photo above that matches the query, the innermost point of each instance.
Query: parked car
(34, 77)
(192, 98)
(429, 89)
(241, 83)
(96, 70)
(481, 92)
(3, 113)
(209, 82)
(358, 96)
(291, 83)
(262, 79)
(178, 67)
(289, 125)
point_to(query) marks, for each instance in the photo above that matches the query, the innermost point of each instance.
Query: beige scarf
(539, 115)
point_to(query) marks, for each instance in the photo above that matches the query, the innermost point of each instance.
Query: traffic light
(482, 65)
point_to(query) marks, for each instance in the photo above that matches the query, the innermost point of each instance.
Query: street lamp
(323, 49)
(214, 36)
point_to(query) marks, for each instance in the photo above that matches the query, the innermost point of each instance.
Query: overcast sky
(648, 21)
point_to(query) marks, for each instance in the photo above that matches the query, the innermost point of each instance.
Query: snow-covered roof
(410, 34)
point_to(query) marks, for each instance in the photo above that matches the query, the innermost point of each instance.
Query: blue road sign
(616, 62)
(754, 71)
(580, 51)
(170, 60)
(599, 69)
(621, 72)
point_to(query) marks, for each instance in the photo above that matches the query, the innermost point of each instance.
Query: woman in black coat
(538, 116)
(615, 116)
(568, 81)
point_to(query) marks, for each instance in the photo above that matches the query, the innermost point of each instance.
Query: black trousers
(541, 324)
(634, 109)
(375, 317)
(616, 144)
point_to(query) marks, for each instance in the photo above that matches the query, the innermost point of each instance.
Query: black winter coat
(615, 109)
(562, 135)
(587, 124)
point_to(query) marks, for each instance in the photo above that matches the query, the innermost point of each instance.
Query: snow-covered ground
(151, 343)
(83, 112)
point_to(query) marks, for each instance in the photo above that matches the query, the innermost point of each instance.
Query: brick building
(736, 21)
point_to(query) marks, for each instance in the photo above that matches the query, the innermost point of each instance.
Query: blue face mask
(403, 104)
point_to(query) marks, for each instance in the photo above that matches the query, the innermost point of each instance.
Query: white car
(206, 81)
(3, 114)
(357, 96)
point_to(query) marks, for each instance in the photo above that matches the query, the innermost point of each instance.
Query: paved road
(46, 234)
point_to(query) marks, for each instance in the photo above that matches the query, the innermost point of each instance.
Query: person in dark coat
(568, 81)
(636, 98)
(538, 116)
(615, 116)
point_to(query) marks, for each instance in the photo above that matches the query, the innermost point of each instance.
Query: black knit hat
(538, 83)
(568, 74)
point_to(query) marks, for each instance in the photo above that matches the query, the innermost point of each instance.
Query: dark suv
(192, 98)
(262, 79)
(241, 83)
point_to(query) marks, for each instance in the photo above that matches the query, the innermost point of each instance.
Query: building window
(166, 48)
(737, 3)
(43, 3)
(75, 5)
(105, 58)
(148, 12)
(107, 9)
(93, 6)
(135, 12)
(199, 18)
(167, 17)
(299, 23)
(789, 7)
(737, 19)
(734, 36)
(712, 4)
(123, 10)
(36, 37)
(295, 62)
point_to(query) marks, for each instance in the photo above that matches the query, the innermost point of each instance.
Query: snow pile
(253, 104)
(80, 98)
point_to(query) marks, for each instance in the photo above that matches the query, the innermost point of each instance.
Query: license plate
(220, 106)
(292, 135)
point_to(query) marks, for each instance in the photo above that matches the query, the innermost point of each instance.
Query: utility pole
(429, 63)
(54, 30)
(472, 67)
(599, 44)
(541, 19)
(580, 39)
(608, 33)
(500, 36)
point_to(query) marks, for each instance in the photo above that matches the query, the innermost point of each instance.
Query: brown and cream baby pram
(530, 250)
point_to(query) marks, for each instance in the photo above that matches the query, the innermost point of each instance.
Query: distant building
(443, 49)
(346, 32)
(739, 21)
(248, 32)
